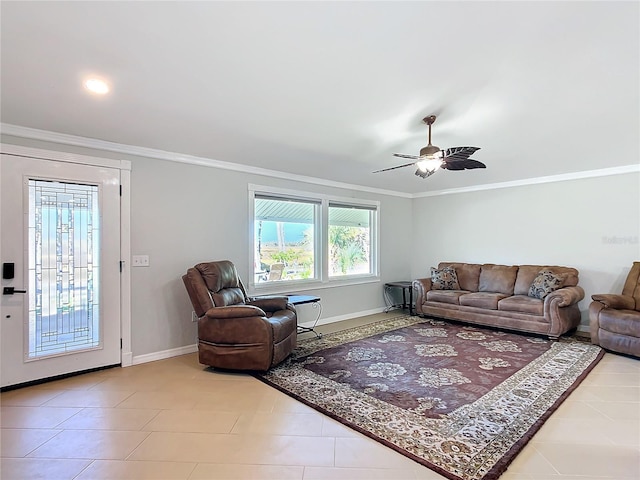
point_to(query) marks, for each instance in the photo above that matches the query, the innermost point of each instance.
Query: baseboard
(584, 328)
(340, 318)
(172, 352)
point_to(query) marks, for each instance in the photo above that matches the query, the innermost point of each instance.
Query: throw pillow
(444, 279)
(545, 282)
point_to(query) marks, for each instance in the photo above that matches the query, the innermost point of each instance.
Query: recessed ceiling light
(97, 86)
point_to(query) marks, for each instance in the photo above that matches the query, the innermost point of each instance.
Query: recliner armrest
(270, 304)
(612, 300)
(235, 311)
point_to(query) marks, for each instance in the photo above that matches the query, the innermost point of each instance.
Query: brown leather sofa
(234, 331)
(497, 296)
(615, 319)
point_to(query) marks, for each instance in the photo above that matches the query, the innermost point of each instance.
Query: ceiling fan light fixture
(429, 164)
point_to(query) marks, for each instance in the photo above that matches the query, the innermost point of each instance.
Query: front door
(60, 253)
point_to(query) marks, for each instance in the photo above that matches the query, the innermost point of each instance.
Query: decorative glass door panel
(64, 268)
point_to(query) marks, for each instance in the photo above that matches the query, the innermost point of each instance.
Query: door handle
(11, 291)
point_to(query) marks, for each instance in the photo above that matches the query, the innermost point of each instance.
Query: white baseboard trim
(584, 328)
(172, 352)
(126, 360)
(340, 318)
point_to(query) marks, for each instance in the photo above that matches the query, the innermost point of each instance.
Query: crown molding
(563, 177)
(96, 144)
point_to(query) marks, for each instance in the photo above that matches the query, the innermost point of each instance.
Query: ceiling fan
(432, 158)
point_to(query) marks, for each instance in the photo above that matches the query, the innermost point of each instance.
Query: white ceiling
(333, 89)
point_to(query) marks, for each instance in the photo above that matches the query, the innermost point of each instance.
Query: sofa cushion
(486, 300)
(467, 273)
(444, 279)
(522, 304)
(527, 273)
(624, 322)
(545, 283)
(497, 278)
(445, 296)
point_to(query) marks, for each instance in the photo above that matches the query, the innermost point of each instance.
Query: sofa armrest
(565, 296)
(235, 311)
(271, 303)
(420, 287)
(612, 300)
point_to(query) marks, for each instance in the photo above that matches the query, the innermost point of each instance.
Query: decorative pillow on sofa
(545, 282)
(444, 279)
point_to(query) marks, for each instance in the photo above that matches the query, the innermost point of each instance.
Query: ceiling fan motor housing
(429, 151)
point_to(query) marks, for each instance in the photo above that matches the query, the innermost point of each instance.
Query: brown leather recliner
(234, 331)
(615, 319)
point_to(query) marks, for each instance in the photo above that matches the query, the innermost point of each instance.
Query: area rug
(461, 400)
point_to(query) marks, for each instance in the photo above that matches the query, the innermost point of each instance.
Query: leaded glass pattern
(64, 268)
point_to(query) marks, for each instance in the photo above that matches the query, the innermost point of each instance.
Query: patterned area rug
(461, 400)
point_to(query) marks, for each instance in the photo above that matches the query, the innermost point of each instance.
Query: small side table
(388, 299)
(315, 303)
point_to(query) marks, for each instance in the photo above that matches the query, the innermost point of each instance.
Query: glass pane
(64, 268)
(284, 240)
(349, 241)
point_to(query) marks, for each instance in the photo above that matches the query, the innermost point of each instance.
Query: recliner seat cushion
(624, 322)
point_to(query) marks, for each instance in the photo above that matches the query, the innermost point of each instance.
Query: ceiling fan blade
(404, 155)
(393, 168)
(459, 153)
(466, 164)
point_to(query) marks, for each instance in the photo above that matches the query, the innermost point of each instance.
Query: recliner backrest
(632, 284)
(214, 284)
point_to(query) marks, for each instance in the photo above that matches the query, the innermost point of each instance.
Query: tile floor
(173, 419)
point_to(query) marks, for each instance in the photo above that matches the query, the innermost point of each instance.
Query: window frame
(321, 245)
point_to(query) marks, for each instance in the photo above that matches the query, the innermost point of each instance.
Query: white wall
(183, 214)
(591, 224)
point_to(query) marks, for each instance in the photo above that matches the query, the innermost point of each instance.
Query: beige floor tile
(608, 379)
(335, 473)
(607, 394)
(77, 382)
(88, 398)
(618, 410)
(363, 452)
(209, 471)
(192, 421)
(280, 424)
(35, 417)
(41, 469)
(90, 444)
(531, 462)
(125, 470)
(574, 431)
(610, 461)
(240, 449)
(27, 397)
(333, 428)
(109, 419)
(578, 410)
(16, 442)
(230, 402)
(160, 400)
(286, 404)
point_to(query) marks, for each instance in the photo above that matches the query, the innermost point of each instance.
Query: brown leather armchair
(234, 331)
(615, 319)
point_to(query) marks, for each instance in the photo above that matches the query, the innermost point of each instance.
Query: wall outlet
(140, 261)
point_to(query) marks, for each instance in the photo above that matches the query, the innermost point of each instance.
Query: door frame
(126, 354)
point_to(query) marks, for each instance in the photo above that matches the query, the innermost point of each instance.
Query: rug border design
(496, 455)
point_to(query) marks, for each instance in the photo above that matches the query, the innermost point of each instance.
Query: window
(300, 238)
(350, 239)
